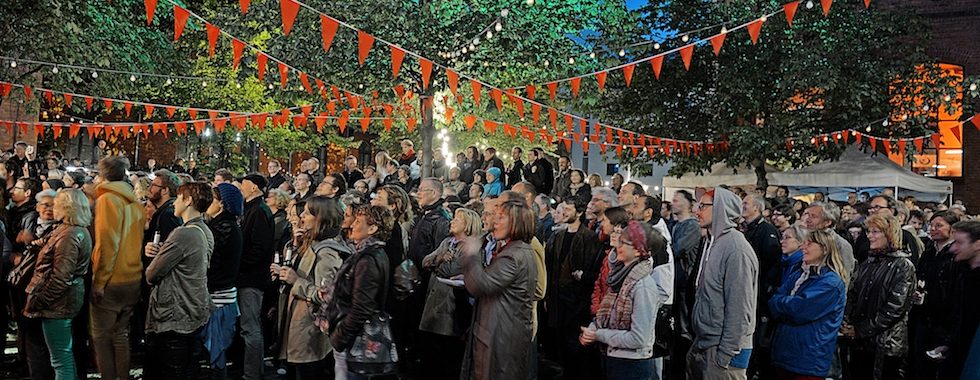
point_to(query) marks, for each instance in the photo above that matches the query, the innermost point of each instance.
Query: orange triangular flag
(57, 130)
(901, 147)
(306, 109)
(936, 140)
(657, 63)
(754, 28)
(575, 82)
(600, 77)
(453, 79)
(244, 5)
(170, 111)
(552, 90)
(180, 19)
(364, 42)
(320, 120)
(470, 120)
(68, 98)
(410, 123)
(108, 105)
(397, 55)
(918, 145)
(686, 53)
(283, 75)
(151, 8)
(476, 86)
(213, 33)
(956, 132)
(88, 103)
(28, 92)
(790, 10)
(289, 8)
(261, 61)
(717, 41)
(305, 80)
(236, 50)
(449, 115)
(342, 121)
(529, 89)
(192, 112)
(628, 73)
(826, 6)
(365, 122)
(426, 66)
(497, 97)
(553, 117)
(535, 112)
(149, 110)
(867, 4)
(328, 29)
(258, 120)
(975, 120)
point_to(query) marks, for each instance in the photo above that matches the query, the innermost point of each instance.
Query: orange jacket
(118, 236)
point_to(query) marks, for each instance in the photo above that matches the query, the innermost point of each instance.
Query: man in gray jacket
(723, 319)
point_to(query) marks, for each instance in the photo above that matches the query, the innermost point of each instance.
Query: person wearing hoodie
(117, 268)
(302, 344)
(878, 304)
(494, 185)
(725, 298)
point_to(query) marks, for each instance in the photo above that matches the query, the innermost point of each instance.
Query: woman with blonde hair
(595, 180)
(809, 310)
(445, 318)
(57, 290)
(878, 303)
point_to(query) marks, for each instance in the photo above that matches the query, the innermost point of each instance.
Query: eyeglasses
(703, 205)
(48, 205)
(876, 208)
(20, 188)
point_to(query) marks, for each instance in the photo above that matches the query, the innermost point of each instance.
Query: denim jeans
(57, 336)
(250, 304)
(31, 331)
(628, 369)
(170, 355)
(109, 318)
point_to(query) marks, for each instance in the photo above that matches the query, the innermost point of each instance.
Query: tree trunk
(428, 133)
(760, 173)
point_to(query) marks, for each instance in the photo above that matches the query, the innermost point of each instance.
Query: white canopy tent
(859, 172)
(720, 174)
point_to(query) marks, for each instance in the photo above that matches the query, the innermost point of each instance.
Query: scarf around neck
(616, 309)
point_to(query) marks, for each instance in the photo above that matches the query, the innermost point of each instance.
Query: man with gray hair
(764, 239)
(602, 198)
(824, 216)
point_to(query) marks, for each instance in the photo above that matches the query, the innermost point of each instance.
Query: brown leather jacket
(57, 289)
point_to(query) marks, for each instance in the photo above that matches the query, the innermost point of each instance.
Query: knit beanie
(231, 199)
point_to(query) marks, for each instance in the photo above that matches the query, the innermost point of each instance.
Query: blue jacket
(808, 322)
(790, 266)
(496, 187)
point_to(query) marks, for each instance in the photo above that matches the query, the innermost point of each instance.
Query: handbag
(374, 351)
(406, 279)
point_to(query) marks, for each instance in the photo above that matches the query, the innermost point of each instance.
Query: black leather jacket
(879, 300)
(357, 294)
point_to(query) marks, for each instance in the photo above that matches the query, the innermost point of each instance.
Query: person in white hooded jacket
(725, 298)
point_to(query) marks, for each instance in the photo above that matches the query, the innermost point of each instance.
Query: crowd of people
(483, 270)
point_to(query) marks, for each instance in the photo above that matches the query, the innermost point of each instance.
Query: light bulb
(905, 117)
(13, 63)
(824, 138)
(360, 87)
(724, 30)
(813, 140)
(472, 47)
(546, 63)
(884, 123)
(868, 129)
(476, 41)
(489, 34)
(170, 81)
(529, 2)
(685, 38)
(764, 18)
(504, 12)
(622, 52)
(498, 27)
(656, 45)
(947, 98)
(204, 83)
(238, 85)
(592, 55)
(270, 86)
(54, 70)
(571, 61)
(465, 49)
(973, 87)
(809, 4)
(132, 78)
(486, 64)
(95, 74)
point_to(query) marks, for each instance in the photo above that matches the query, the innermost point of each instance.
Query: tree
(849, 70)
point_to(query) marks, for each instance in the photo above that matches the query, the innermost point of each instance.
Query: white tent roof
(857, 170)
(720, 174)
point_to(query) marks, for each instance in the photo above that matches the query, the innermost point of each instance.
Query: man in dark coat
(351, 172)
(764, 239)
(490, 159)
(257, 249)
(539, 172)
(515, 172)
(276, 177)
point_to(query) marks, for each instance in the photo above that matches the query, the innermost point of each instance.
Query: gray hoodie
(725, 299)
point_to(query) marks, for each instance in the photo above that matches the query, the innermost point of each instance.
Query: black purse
(374, 351)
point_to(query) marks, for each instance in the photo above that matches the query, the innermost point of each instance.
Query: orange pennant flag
(425, 66)
(476, 86)
(88, 103)
(171, 111)
(73, 130)
(306, 109)
(628, 73)
(754, 29)
(535, 112)
(366, 120)
(149, 110)
(68, 98)
(410, 123)
(261, 62)
(305, 80)
(180, 19)
(553, 117)
(552, 90)
(449, 115)
(867, 4)
(397, 55)
(901, 147)
(657, 63)
(288, 8)
(453, 79)
(213, 33)
(237, 47)
(790, 10)
(600, 77)
(244, 5)
(918, 145)
(936, 140)
(575, 82)
(151, 8)
(320, 120)
(257, 120)
(826, 6)
(529, 89)
(192, 112)
(686, 53)
(108, 105)
(364, 43)
(957, 132)
(283, 75)
(470, 120)
(497, 99)
(342, 121)
(328, 29)
(717, 41)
